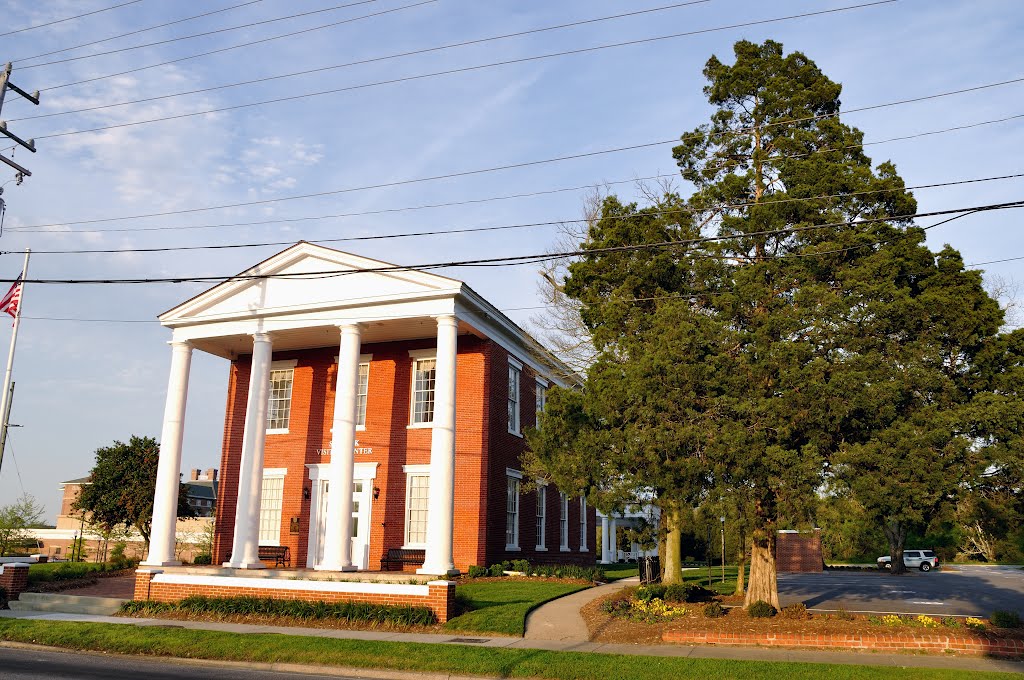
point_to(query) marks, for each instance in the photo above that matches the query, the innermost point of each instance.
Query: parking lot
(957, 590)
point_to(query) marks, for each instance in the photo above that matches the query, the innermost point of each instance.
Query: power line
(428, 206)
(208, 53)
(77, 16)
(504, 227)
(465, 69)
(141, 30)
(517, 260)
(321, 69)
(194, 35)
(466, 173)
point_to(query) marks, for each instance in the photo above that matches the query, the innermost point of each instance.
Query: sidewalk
(560, 619)
(668, 650)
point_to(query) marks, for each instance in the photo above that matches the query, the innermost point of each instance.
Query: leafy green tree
(16, 520)
(121, 486)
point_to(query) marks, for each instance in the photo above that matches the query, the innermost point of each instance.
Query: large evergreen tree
(824, 331)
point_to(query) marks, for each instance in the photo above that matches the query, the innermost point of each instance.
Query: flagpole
(5, 403)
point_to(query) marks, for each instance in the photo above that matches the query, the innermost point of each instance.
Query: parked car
(925, 560)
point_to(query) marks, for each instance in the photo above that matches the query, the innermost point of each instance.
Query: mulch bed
(289, 621)
(71, 584)
(613, 629)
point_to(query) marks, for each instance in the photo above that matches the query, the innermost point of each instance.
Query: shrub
(796, 612)
(617, 606)
(203, 558)
(698, 593)
(677, 592)
(521, 566)
(1002, 618)
(761, 610)
(842, 615)
(654, 591)
(713, 610)
(298, 609)
(951, 622)
(476, 571)
(497, 570)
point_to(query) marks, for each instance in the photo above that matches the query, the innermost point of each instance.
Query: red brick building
(405, 388)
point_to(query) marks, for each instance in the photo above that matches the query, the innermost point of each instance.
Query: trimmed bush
(713, 610)
(298, 609)
(521, 566)
(497, 570)
(203, 558)
(761, 610)
(477, 571)
(1002, 618)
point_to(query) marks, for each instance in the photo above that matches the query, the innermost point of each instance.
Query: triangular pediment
(310, 277)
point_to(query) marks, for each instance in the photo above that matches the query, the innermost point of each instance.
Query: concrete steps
(69, 604)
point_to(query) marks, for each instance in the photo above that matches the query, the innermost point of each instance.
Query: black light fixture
(305, 493)
(376, 492)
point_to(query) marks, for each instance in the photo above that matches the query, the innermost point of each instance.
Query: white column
(441, 499)
(604, 540)
(165, 499)
(614, 547)
(338, 530)
(245, 547)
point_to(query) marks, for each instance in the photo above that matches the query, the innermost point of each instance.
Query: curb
(339, 671)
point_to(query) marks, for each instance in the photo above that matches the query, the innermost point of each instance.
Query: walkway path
(561, 620)
(960, 663)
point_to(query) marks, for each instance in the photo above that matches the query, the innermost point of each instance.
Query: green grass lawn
(501, 606)
(699, 576)
(614, 572)
(405, 656)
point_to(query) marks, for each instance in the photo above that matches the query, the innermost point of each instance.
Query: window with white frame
(583, 524)
(514, 373)
(424, 375)
(362, 390)
(542, 398)
(271, 499)
(563, 521)
(417, 490)
(512, 514)
(280, 407)
(542, 503)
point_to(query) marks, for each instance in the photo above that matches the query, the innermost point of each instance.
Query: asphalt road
(39, 665)
(960, 591)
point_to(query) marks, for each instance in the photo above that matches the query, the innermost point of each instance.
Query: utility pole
(6, 84)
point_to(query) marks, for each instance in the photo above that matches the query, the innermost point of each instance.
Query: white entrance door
(361, 507)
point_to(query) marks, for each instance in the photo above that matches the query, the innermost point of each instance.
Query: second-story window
(514, 373)
(361, 392)
(424, 372)
(280, 407)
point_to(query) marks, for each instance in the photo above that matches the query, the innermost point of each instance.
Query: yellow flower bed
(975, 623)
(655, 609)
(927, 621)
(892, 620)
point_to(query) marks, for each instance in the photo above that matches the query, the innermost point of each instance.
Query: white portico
(306, 297)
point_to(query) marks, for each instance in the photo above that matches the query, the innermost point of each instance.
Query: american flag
(10, 302)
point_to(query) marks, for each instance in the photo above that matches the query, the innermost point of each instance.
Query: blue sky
(82, 384)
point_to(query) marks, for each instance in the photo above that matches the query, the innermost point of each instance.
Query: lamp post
(722, 518)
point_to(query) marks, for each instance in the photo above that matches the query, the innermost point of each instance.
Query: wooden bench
(401, 557)
(280, 555)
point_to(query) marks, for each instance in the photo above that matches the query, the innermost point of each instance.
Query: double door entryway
(362, 506)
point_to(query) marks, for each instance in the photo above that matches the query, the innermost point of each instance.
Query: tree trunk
(741, 560)
(662, 547)
(896, 533)
(673, 559)
(763, 577)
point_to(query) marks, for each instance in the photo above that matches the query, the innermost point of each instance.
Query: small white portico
(305, 297)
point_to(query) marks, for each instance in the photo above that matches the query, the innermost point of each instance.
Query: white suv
(925, 560)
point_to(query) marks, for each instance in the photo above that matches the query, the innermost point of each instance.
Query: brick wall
(924, 642)
(14, 579)
(439, 596)
(799, 552)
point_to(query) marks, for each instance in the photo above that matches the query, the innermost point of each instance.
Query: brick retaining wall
(154, 584)
(14, 579)
(924, 642)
